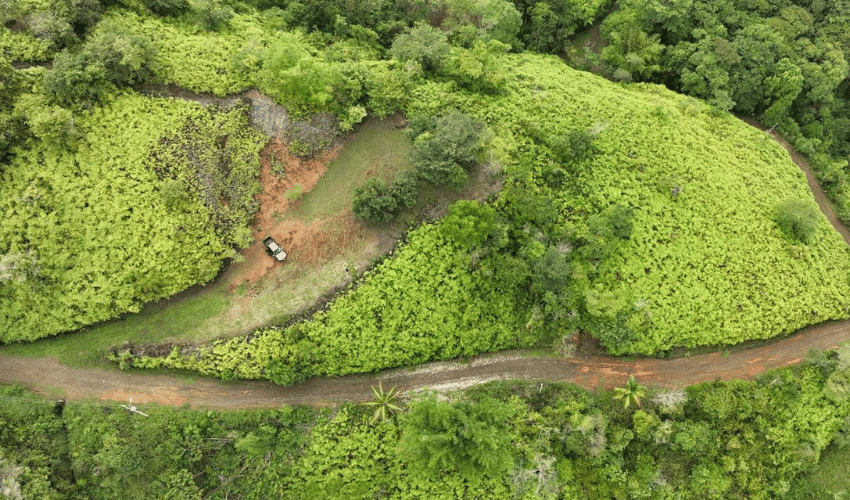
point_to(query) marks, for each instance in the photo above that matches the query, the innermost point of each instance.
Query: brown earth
(304, 242)
(49, 377)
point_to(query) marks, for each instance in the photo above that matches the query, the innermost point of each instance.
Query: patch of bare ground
(299, 240)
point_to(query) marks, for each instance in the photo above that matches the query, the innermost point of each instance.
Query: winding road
(48, 376)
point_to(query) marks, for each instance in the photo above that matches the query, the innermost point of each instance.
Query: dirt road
(74, 384)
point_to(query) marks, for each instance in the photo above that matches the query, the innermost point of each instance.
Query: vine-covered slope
(699, 260)
(134, 211)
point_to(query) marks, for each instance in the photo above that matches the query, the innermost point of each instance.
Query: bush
(798, 218)
(404, 189)
(167, 7)
(375, 202)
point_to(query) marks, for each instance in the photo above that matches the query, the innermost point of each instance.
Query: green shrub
(374, 202)
(423, 45)
(798, 218)
(404, 189)
(111, 56)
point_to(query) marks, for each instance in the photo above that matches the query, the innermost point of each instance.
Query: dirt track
(49, 377)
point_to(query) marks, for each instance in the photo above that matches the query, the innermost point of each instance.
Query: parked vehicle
(274, 250)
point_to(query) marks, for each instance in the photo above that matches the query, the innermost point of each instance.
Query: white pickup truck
(273, 249)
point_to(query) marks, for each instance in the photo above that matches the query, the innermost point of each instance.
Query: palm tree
(384, 403)
(631, 393)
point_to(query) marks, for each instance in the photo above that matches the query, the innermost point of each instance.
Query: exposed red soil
(300, 241)
(586, 368)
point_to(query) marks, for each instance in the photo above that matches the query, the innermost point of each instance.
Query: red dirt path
(49, 377)
(298, 239)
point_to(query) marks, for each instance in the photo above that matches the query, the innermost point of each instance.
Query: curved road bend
(48, 376)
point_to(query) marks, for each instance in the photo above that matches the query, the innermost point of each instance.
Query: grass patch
(831, 473)
(156, 323)
(377, 150)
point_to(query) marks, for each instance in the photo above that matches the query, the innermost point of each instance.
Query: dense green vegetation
(648, 219)
(426, 302)
(145, 201)
(610, 220)
(783, 62)
(724, 440)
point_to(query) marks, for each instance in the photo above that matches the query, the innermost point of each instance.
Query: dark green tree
(112, 56)
(423, 45)
(470, 438)
(374, 202)
(404, 189)
(443, 156)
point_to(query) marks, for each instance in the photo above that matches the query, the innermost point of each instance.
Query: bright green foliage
(425, 303)
(469, 223)
(798, 218)
(51, 124)
(693, 270)
(619, 231)
(125, 218)
(297, 79)
(22, 46)
(199, 61)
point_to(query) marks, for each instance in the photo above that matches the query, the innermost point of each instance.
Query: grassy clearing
(378, 149)
(831, 473)
(175, 319)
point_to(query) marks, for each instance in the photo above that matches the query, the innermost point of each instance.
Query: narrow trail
(48, 376)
